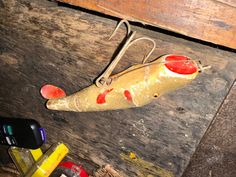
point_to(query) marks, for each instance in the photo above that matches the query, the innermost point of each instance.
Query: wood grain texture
(209, 20)
(216, 153)
(41, 43)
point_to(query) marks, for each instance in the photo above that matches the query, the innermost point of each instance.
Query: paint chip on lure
(147, 81)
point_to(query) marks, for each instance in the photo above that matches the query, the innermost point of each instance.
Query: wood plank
(42, 43)
(216, 153)
(209, 20)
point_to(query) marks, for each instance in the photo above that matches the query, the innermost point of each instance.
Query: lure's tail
(52, 92)
(63, 104)
(57, 99)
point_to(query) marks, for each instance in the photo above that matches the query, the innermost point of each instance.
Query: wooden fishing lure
(134, 87)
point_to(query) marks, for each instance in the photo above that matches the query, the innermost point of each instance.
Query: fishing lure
(134, 87)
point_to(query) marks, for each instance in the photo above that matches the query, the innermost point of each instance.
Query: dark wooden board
(209, 20)
(42, 43)
(216, 155)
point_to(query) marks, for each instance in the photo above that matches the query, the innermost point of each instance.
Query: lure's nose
(180, 64)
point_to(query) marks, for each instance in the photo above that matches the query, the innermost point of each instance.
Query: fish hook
(145, 38)
(118, 26)
(104, 79)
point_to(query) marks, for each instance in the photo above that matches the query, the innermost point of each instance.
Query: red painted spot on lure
(101, 99)
(128, 95)
(52, 92)
(180, 64)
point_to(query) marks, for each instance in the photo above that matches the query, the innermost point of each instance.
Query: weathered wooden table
(41, 43)
(209, 20)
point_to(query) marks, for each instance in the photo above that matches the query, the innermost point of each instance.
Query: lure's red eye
(180, 64)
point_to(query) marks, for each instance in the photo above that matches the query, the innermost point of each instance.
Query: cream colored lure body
(134, 87)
